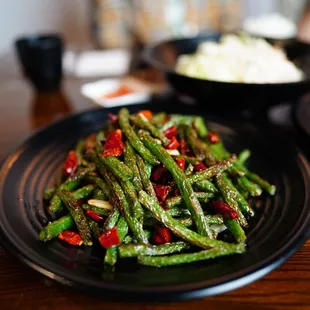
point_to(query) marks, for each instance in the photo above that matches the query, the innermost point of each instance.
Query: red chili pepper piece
(199, 167)
(162, 235)
(174, 144)
(166, 119)
(146, 113)
(71, 163)
(162, 191)
(109, 238)
(71, 237)
(181, 163)
(184, 149)
(159, 173)
(171, 132)
(114, 145)
(213, 137)
(80, 202)
(113, 118)
(225, 209)
(94, 216)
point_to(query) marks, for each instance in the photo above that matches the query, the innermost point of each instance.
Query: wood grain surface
(21, 113)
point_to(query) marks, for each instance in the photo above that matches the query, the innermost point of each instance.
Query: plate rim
(179, 292)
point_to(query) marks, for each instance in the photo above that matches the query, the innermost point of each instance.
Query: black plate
(231, 96)
(280, 228)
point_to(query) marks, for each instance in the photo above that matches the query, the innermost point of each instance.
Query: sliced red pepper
(162, 191)
(184, 149)
(71, 237)
(146, 113)
(113, 118)
(109, 238)
(224, 209)
(171, 132)
(114, 145)
(166, 119)
(199, 167)
(71, 163)
(181, 163)
(159, 173)
(80, 202)
(213, 137)
(94, 216)
(162, 235)
(174, 144)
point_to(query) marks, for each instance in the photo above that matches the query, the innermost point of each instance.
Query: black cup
(41, 60)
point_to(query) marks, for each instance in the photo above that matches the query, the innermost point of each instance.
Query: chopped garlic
(100, 204)
(173, 152)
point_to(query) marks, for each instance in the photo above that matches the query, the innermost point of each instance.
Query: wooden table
(21, 112)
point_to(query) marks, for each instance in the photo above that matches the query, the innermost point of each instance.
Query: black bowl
(281, 226)
(229, 96)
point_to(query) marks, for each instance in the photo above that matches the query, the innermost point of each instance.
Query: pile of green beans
(120, 192)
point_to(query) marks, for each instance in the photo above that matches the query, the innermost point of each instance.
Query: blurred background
(106, 24)
(104, 38)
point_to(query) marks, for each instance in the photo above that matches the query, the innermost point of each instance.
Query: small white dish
(96, 92)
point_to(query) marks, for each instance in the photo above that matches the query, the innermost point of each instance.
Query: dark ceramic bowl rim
(181, 292)
(148, 51)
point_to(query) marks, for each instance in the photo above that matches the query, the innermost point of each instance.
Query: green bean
(183, 184)
(161, 261)
(147, 184)
(200, 126)
(100, 183)
(131, 162)
(117, 167)
(252, 188)
(112, 218)
(194, 142)
(99, 211)
(242, 203)
(83, 192)
(176, 120)
(70, 184)
(265, 185)
(128, 239)
(94, 227)
(177, 200)
(121, 202)
(99, 194)
(206, 186)
(189, 170)
(177, 228)
(48, 193)
(79, 150)
(77, 215)
(123, 118)
(234, 227)
(111, 253)
(134, 250)
(211, 171)
(132, 199)
(148, 170)
(143, 123)
(243, 156)
(178, 211)
(230, 197)
(53, 229)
